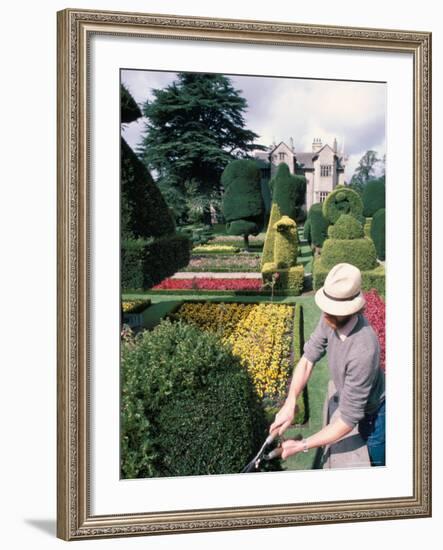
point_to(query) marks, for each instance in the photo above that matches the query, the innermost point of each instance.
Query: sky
(280, 108)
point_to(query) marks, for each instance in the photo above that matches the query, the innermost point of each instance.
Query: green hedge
(378, 232)
(358, 252)
(298, 342)
(318, 226)
(145, 263)
(346, 227)
(144, 210)
(188, 405)
(374, 196)
(342, 200)
(291, 278)
(373, 278)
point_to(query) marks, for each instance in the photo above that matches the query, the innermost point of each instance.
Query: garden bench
(349, 452)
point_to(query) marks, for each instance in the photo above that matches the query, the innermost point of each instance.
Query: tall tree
(195, 127)
(365, 171)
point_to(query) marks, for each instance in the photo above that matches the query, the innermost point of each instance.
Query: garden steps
(349, 452)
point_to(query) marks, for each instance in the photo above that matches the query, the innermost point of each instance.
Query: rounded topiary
(346, 227)
(342, 201)
(373, 196)
(188, 405)
(285, 191)
(358, 252)
(378, 232)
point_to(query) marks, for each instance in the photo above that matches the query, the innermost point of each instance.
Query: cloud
(280, 108)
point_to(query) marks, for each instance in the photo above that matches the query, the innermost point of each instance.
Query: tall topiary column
(316, 226)
(280, 251)
(243, 206)
(378, 232)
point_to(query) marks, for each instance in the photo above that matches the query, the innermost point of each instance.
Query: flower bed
(215, 249)
(375, 314)
(224, 262)
(206, 283)
(135, 306)
(259, 334)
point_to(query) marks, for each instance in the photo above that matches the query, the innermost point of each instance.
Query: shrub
(285, 242)
(318, 225)
(378, 232)
(188, 406)
(146, 212)
(289, 279)
(371, 279)
(287, 190)
(146, 262)
(307, 230)
(243, 207)
(342, 201)
(367, 227)
(130, 111)
(373, 196)
(358, 252)
(346, 227)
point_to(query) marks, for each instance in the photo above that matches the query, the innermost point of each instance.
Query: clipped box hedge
(146, 262)
(289, 278)
(372, 278)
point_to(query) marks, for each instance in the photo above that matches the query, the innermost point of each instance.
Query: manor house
(323, 166)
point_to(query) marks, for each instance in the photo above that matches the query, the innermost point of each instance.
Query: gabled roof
(304, 159)
(277, 146)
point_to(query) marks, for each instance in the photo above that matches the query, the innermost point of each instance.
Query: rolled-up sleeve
(315, 348)
(357, 386)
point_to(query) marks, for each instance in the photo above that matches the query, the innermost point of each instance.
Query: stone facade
(323, 167)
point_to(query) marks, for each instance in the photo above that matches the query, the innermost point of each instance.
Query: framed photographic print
(244, 279)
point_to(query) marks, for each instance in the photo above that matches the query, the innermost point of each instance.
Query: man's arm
(326, 436)
(300, 377)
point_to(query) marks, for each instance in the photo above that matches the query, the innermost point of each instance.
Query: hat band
(340, 299)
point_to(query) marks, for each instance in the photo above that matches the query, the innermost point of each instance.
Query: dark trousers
(372, 428)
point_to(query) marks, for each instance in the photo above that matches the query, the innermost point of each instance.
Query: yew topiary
(378, 231)
(346, 227)
(342, 200)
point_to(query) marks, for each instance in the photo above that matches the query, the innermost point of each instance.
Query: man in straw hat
(353, 359)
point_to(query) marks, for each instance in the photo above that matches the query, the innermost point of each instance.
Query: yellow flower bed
(133, 305)
(258, 333)
(215, 248)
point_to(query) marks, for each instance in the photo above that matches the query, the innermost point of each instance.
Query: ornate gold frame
(74, 520)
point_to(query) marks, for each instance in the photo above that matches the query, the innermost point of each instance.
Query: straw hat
(341, 294)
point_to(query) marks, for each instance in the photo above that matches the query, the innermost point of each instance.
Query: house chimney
(316, 145)
(334, 147)
(291, 143)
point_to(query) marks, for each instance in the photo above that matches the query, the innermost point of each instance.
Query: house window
(323, 195)
(325, 170)
(281, 156)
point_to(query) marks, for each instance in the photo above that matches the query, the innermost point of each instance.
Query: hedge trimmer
(265, 453)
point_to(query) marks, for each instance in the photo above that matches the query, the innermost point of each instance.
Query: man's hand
(284, 417)
(291, 447)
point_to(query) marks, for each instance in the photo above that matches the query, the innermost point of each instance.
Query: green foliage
(195, 126)
(358, 252)
(242, 206)
(145, 211)
(130, 111)
(298, 342)
(286, 191)
(342, 201)
(374, 196)
(346, 227)
(146, 262)
(285, 194)
(373, 278)
(378, 232)
(285, 242)
(317, 225)
(188, 406)
(367, 227)
(307, 230)
(365, 170)
(290, 279)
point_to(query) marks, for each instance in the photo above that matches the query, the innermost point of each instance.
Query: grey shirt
(354, 364)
